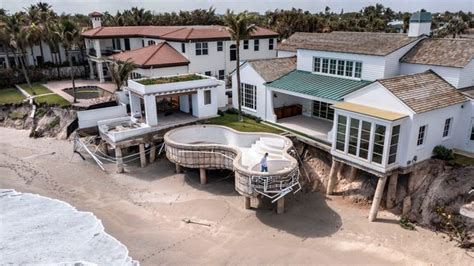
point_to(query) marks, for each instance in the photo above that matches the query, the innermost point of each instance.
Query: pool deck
(58, 87)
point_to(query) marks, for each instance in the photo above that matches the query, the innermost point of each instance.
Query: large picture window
(353, 136)
(379, 141)
(323, 110)
(364, 139)
(337, 67)
(201, 48)
(392, 154)
(341, 132)
(248, 96)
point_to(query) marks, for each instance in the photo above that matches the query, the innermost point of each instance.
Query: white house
(208, 49)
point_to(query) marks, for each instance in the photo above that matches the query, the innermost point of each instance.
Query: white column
(184, 103)
(150, 110)
(195, 103)
(97, 48)
(135, 105)
(100, 72)
(91, 68)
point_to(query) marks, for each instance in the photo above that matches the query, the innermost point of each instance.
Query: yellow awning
(370, 111)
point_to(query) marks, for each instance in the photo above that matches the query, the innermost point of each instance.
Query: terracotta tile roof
(180, 33)
(423, 92)
(370, 43)
(274, 68)
(160, 55)
(441, 52)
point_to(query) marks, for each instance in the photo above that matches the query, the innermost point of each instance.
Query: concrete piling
(178, 169)
(142, 155)
(377, 198)
(247, 201)
(281, 205)
(203, 176)
(332, 177)
(119, 159)
(152, 153)
(392, 191)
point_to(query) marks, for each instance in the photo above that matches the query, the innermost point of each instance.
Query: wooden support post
(203, 176)
(247, 201)
(152, 153)
(281, 205)
(377, 198)
(332, 177)
(352, 175)
(178, 169)
(142, 155)
(119, 160)
(392, 191)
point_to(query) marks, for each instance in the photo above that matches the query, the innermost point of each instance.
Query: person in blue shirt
(264, 163)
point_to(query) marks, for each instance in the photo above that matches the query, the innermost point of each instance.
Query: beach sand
(145, 207)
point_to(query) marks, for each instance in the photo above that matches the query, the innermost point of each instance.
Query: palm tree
(120, 72)
(5, 41)
(239, 29)
(70, 38)
(19, 40)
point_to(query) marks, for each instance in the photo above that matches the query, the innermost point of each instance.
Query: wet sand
(145, 207)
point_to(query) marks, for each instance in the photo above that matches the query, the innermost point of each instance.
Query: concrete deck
(313, 127)
(58, 87)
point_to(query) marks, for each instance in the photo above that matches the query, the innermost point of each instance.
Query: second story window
(201, 48)
(151, 42)
(220, 46)
(256, 45)
(246, 44)
(183, 48)
(270, 44)
(338, 67)
(221, 75)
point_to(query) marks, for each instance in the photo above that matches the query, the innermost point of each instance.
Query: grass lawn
(52, 99)
(36, 89)
(10, 95)
(462, 160)
(249, 125)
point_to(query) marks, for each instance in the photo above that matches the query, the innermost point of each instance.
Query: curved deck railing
(219, 147)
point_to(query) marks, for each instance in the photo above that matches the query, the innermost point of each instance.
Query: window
(379, 141)
(358, 70)
(208, 73)
(364, 139)
(248, 97)
(353, 136)
(201, 48)
(340, 67)
(341, 132)
(246, 44)
(332, 66)
(221, 74)
(233, 52)
(270, 44)
(472, 133)
(392, 153)
(143, 43)
(127, 44)
(220, 46)
(207, 97)
(256, 45)
(317, 64)
(323, 110)
(421, 136)
(349, 66)
(151, 42)
(447, 126)
(324, 69)
(116, 44)
(183, 48)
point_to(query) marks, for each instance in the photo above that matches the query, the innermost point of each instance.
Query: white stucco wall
(162, 71)
(285, 53)
(392, 60)
(250, 76)
(450, 74)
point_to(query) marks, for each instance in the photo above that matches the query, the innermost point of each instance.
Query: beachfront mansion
(379, 102)
(170, 50)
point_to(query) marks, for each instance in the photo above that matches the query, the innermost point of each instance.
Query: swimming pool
(88, 92)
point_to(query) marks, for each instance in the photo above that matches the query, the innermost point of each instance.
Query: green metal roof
(421, 16)
(322, 86)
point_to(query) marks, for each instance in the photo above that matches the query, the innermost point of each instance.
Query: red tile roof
(172, 33)
(160, 55)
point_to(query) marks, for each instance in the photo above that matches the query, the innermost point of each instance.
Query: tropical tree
(456, 26)
(240, 29)
(120, 72)
(70, 37)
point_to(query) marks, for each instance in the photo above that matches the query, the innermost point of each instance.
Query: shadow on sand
(306, 215)
(219, 182)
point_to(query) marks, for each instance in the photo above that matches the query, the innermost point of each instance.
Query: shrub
(220, 112)
(443, 153)
(17, 115)
(232, 111)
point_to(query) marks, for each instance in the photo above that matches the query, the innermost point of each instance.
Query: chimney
(96, 18)
(420, 24)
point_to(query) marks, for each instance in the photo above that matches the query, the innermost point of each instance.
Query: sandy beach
(144, 209)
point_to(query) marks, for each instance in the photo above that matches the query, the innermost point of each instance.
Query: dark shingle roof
(441, 52)
(326, 87)
(370, 43)
(423, 92)
(274, 68)
(160, 55)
